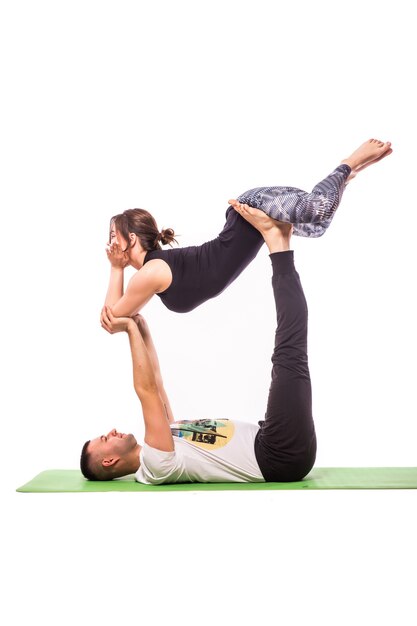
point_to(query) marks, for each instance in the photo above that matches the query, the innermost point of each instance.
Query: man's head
(110, 456)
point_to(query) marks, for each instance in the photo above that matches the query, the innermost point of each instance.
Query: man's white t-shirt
(206, 451)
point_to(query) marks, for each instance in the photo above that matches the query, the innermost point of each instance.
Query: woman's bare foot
(369, 152)
(277, 234)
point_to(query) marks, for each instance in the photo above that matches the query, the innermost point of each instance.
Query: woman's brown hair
(142, 224)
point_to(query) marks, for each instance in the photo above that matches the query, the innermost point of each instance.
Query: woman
(184, 278)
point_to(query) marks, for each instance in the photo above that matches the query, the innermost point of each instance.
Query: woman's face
(117, 238)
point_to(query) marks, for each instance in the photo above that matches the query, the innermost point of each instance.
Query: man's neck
(137, 457)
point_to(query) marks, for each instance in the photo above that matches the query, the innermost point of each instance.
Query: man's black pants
(285, 446)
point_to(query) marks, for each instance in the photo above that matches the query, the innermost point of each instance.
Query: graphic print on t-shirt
(208, 434)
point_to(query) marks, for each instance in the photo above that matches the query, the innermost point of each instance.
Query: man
(281, 448)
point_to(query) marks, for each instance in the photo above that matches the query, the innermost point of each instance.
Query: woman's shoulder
(155, 272)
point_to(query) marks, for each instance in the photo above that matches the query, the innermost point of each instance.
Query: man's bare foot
(276, 234)
(369, 152)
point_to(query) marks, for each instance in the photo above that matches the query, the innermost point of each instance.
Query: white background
(176, 107)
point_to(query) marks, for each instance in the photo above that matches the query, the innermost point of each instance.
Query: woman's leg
(312, 213)
(214, 265)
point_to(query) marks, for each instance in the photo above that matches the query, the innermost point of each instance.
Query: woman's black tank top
(203, 272)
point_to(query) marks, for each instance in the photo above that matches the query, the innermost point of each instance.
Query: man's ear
(110, 461)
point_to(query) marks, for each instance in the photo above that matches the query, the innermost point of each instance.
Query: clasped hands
(113, 324)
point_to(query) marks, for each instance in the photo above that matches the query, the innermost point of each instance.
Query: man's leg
(286, 443)
(285, 446)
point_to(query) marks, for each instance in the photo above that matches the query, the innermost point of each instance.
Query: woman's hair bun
(167, 236)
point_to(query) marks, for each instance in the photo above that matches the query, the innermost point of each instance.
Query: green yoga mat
(54, 481)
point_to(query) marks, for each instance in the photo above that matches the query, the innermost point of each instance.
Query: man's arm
(147, 338)
(157, 430)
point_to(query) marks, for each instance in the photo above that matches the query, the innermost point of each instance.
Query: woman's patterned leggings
(310, 213)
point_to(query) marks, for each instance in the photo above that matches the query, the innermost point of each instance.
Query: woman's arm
(152, 278)
(118, 261)
(139, 291)
(147, 281)
(115, 289)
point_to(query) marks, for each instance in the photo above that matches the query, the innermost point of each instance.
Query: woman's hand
(116, 256)
(114, 324)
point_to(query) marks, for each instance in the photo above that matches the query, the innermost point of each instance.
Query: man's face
(112, 444)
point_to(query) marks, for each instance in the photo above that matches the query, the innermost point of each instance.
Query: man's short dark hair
(85, 462)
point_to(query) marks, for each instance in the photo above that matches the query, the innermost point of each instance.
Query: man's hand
(115, 324)
(141, 324)
(116, 256)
